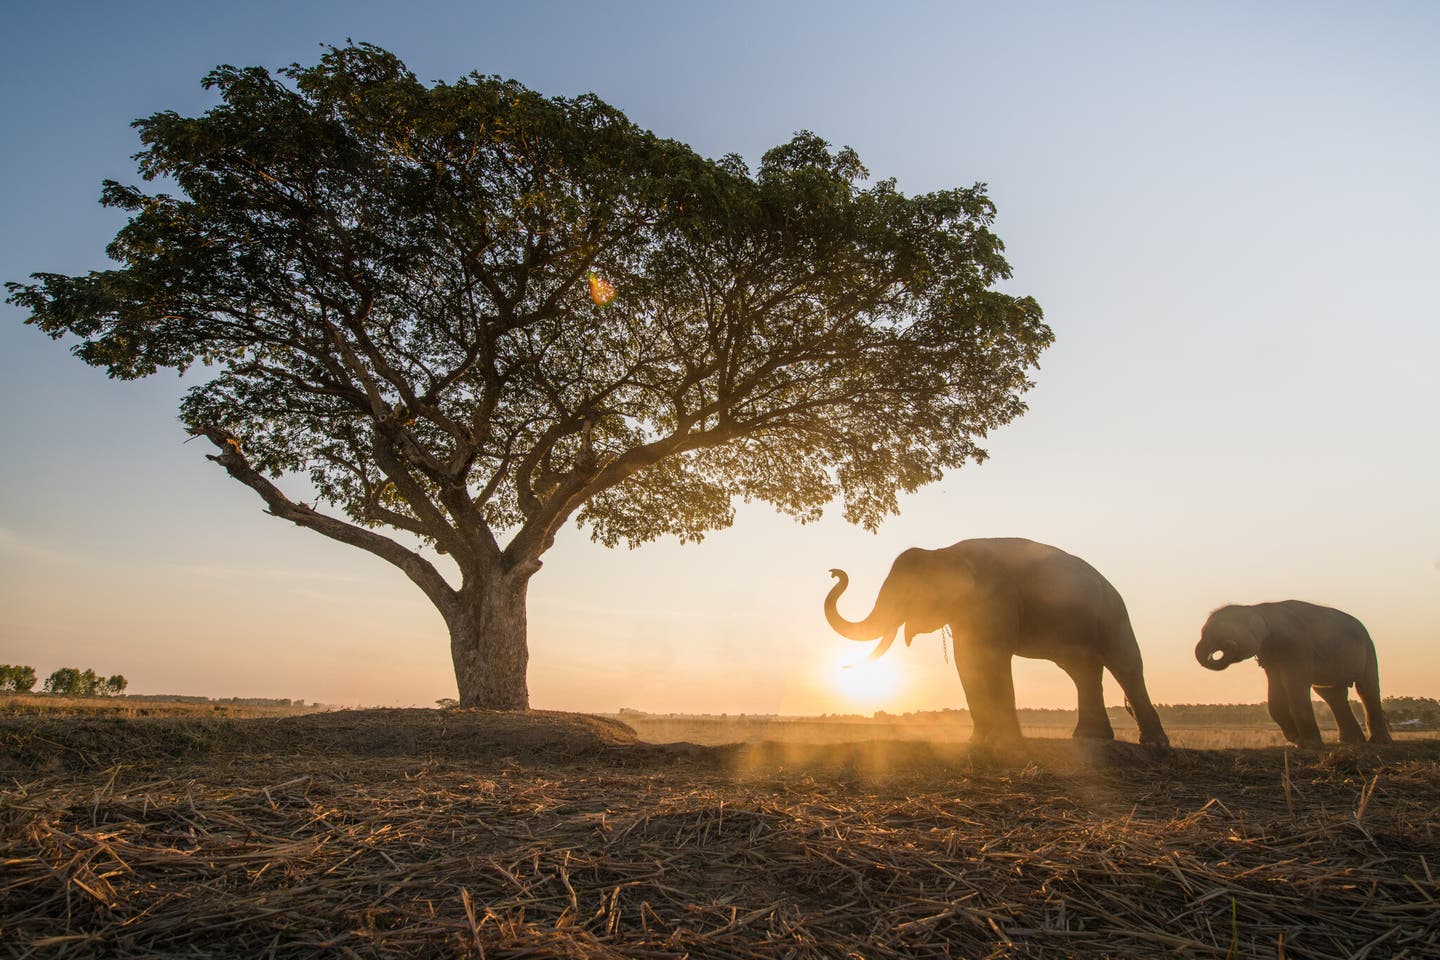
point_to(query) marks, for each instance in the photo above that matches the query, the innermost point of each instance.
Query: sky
(1229, 212)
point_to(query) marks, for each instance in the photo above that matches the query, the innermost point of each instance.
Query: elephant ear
(1245, 633)
(938, 583)
(1277, 638)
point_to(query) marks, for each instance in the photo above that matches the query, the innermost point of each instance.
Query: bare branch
(414, 566)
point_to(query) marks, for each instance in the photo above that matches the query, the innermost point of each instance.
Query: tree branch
(414, 566)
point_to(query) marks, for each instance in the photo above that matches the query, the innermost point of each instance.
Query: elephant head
(1230, 635)
(913, 594)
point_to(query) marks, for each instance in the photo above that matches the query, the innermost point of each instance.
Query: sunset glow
(695, 480)
(1184, 435)
(862, 683)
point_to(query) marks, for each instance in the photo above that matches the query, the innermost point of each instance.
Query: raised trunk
(867, 629)
(488, 643)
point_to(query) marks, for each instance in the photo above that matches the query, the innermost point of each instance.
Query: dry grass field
(717, 730)
(415, 833)
(49, 705)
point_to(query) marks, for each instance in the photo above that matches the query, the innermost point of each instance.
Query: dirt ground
(712, 730)
(459, 833)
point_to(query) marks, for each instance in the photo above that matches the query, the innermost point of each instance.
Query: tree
(1426, 710)
(74, 682)
(16, 679)
(65, 681)
(389, 280)
(87, 684)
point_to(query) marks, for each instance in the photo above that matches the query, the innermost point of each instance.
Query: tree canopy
(74, 682)
(16, 678)
(388, 280)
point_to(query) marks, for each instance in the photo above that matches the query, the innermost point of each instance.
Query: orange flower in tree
(602, 292)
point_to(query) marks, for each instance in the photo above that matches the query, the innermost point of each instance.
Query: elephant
(1008, 597)
(1301, 645)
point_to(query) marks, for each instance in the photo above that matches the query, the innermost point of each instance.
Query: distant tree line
(1407, 709)
(69, 681)
(1397, 709)
(1203, 714)
(73, 682)
(238, 701)
(16, 679)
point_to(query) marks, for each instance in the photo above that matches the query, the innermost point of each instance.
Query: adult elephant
(1301, 646)
(1004, 598)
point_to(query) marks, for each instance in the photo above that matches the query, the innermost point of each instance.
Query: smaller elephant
(1301, 645)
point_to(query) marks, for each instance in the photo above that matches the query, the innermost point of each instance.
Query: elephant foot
(1357, 739)
(1309, 744)
(997, 743)
(1381, 738)
(1158, 741)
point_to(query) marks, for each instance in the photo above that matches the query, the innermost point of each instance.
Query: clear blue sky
(1228, 211)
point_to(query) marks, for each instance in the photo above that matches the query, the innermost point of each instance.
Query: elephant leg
(1337, 696)
(1279, 703)
(1368, 688)
(1152, 733)
(980, 719)
(990, 691)
(1297, 694)
(971, 682)
(1094, 723)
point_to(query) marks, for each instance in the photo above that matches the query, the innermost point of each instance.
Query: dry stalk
(294, 848)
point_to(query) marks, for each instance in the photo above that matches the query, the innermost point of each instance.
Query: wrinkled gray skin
(1300, 646)
(1005, 598)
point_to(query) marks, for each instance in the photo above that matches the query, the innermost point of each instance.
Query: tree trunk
(488, 643)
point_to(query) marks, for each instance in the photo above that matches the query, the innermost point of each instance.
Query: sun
(865, 682)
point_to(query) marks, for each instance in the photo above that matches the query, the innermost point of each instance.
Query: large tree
(389, 281)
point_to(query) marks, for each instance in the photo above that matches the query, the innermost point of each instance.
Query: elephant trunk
(862, 630)
(873, 627)
(1232, 634)
(1212, 657)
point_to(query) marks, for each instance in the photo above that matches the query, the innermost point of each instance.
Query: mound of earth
(90, 742)
(445, 733)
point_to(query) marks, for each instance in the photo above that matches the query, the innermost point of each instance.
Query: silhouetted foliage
(389, 282)
(1397, 709)
(74, 682)
(16, 679)
(66, 680)
(1407, 709)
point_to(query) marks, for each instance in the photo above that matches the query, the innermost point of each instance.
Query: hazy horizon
(1228, 214)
